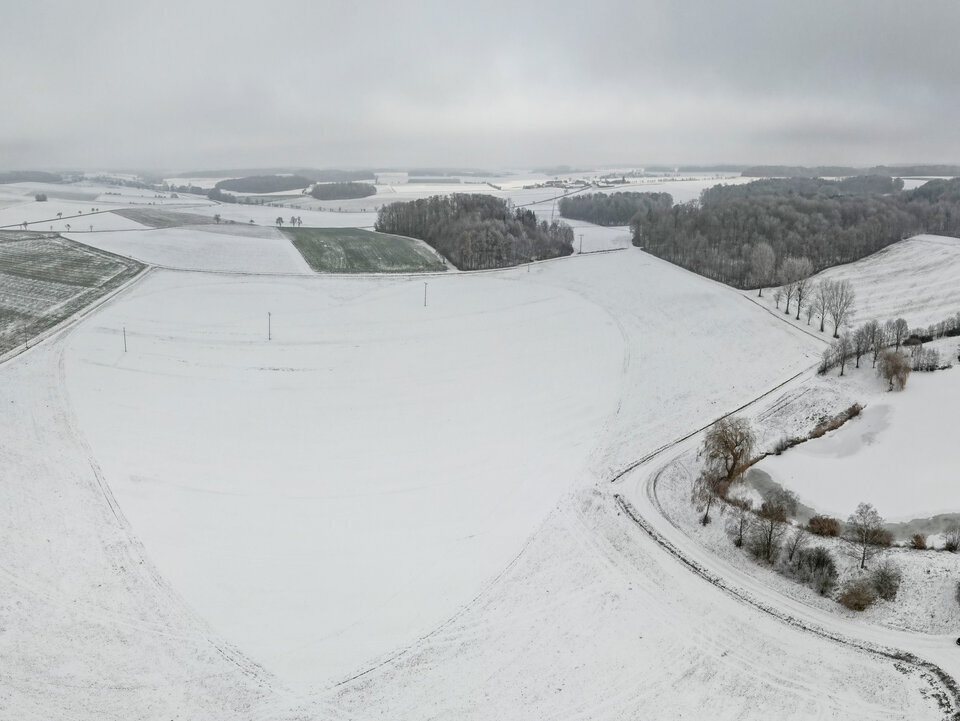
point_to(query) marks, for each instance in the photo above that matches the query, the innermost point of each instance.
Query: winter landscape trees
(828, 222)
(865, 534)
(477, 231)
(894, 368)
(612, 208)
(342, 191)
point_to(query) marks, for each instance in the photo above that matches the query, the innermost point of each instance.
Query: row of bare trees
(832, 300)
(882, 342)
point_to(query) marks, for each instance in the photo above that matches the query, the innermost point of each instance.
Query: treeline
(315, 176)
(29, 176)
(342, 191)
(477, 231)
(264, 183)
(612, 208)
(717, 238)
(840, 171)
(221, 197)
(857, 185)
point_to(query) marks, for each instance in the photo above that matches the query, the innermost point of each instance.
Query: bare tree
(728, 448)
(796, 541)
(810, 309)
(708, 487)
(951, 538)
(844, 349)
(279, 221)
(778, 296)
(762, 263)
(894, 367)
(897, 332)
(766, 530)
(742, 509)
(841, 305)
(877, 339)
(861, 342)
(216, 218)
(865, 534)
(803, 284)
(789, 290)
(823, 299)
(790, 272)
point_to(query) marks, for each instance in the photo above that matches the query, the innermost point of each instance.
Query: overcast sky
(191, 85)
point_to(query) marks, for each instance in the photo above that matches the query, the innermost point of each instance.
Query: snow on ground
(915, 279)
(90, 630)
(267, 215)
(326, 498)
(209, 248)
(597, 237)
(899, 440)
(77, 214)
(272, 472)
(340, 490)
(595, 621)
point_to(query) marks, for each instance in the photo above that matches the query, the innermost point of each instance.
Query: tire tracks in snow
(948, 698)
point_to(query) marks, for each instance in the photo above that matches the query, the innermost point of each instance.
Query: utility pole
(124, 339)
(424, 294)
(581, 242)
(269, 327)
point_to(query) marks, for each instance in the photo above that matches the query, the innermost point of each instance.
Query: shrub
(834, 422)
(857, 595)
(918, 542)
(951, 539)
(824, 526)
(894, 367)
(885, 579)
(784, 443)
(816, 567)
(957, 595)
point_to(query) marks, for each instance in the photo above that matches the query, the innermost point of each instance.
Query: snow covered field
(386, 509)
(207, 247)
(338, 491)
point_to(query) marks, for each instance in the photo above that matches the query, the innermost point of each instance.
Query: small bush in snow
(885, 579)
(951, 539)
(784, 443)
(833, 423)
(857, 595)
(815, 567)
(824, 526)
(918, 542)
(924, 359)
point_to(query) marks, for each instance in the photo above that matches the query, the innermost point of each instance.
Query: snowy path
(643, 506)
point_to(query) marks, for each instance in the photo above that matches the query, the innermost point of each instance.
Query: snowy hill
(917, 279)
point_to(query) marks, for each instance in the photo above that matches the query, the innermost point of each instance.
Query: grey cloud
(178, 84)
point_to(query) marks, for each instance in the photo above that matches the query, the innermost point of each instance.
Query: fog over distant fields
(187, 85)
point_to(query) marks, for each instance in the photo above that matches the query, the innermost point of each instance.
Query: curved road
(936, 654)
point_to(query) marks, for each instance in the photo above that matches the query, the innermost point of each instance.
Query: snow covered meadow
(245, 490)
(915, 279)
